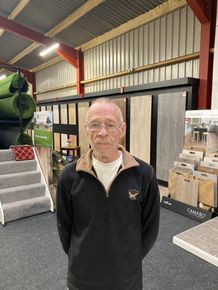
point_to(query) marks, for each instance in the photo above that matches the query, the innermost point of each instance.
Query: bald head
(97, 104)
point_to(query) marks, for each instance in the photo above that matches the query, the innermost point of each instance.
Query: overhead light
(2, 77)
(49, 49)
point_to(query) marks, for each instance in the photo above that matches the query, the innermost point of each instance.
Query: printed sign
(43, 125)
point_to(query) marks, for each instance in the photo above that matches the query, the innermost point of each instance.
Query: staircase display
(23, 189)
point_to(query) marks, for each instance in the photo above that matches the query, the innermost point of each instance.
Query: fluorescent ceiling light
(2, 77)
(49, 49)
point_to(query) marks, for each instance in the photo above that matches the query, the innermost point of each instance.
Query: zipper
(93, 173)
(118, 172)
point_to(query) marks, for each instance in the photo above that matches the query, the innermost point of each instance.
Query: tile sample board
(201, 241)
(140, 127)
(83, 140)
(170, 131)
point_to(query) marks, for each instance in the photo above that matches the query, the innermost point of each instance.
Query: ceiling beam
(16, 11)
(28, 74)
(9, 67)
(68, 53)
(68, 21)
(200, 9)
(153, 14)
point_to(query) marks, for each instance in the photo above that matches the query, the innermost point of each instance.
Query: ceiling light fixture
(2, 77)
(49, 49)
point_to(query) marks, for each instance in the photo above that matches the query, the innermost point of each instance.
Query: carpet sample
(10, 84)
(10, 110)
(202, 241)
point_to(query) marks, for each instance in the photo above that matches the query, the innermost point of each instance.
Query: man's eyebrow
(97, 120)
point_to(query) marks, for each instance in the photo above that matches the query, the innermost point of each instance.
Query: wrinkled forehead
(102, 112)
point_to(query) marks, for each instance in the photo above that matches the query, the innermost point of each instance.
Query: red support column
(205, 11)
(205, 68)
(80, 74)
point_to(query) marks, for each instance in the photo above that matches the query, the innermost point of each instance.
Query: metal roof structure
(72, 23)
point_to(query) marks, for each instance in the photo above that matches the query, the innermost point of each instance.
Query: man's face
(104, 129)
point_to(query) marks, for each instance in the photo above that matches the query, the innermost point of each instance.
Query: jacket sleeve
(64, 213)
(150, 215)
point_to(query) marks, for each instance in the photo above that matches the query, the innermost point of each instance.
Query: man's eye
(111, 126)
(94, 126)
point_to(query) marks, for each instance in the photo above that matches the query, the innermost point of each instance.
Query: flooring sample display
(170, 131)
(186, 191)
(121, 103)
(201, 241)
(83, 140)
(140, 127)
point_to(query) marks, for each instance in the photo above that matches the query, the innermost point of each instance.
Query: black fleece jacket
(107, 234)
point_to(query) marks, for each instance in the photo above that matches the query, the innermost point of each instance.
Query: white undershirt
(106, 172)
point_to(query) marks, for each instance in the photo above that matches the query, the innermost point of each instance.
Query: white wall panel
(175, 34)
(59, 74)
(140, 127)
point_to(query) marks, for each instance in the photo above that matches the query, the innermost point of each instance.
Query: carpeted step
(21, 192)
(24, 208)
(7, 167)
(17, 179)
(6, 155)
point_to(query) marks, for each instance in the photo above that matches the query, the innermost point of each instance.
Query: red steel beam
(80, 74)
(70, 54)
(205, 11)
(199, 7)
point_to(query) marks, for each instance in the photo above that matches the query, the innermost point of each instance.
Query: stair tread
(22, 187)
(24, 202)
(20, 173)
(17, 162)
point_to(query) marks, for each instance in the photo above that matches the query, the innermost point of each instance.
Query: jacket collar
(85, 162)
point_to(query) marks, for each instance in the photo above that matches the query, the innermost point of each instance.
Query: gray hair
(107, 101)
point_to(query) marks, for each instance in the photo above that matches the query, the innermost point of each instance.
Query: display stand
(195, 213)
(192, 181)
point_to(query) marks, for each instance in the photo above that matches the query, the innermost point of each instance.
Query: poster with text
(43, 126)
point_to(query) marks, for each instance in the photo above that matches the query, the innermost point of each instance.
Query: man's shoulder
(144, 167)
(143, 163)
(69, 170)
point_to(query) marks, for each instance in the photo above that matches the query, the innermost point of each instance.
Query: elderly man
(107, 208)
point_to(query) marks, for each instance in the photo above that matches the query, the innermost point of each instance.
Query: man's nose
(102, 131)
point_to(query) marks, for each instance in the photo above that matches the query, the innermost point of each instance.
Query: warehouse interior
(157, 60)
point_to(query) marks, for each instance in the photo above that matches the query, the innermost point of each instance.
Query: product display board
(140, 127)
(43, 122)
(43, 141)
(201, 130)
(192, 180)
(170, 131)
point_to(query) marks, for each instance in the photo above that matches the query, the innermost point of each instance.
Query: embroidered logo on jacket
(133, 193)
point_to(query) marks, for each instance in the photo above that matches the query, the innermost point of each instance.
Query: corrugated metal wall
(170, 36)
(60, 74)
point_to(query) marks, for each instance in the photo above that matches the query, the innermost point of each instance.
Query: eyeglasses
(109, 127)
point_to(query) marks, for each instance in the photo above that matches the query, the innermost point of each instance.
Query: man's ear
(123, 130)
(86, 129)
